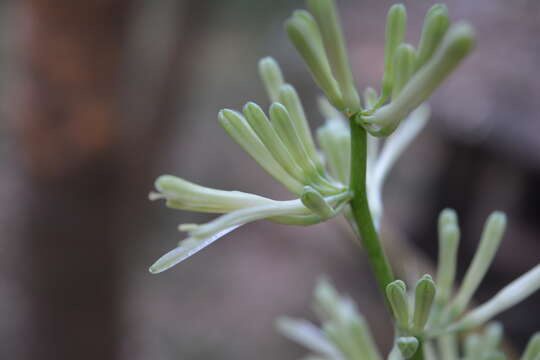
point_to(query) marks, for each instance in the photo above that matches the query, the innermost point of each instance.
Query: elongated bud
(407, 345)
(314, 201)
(290, 99)
(259, 122)
(286, 131)
(271, 76)
(327, 17)
(458, 42)
(489, 244)
(396, 26)
(532, 351)
(397, 297)
(436, 24)
(448, 245)
(304, 33)
(335, 140)
(239, 130)
(510, 295)
(423, 299)
(404, 62)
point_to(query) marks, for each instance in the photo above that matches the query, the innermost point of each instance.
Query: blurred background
(100, 97)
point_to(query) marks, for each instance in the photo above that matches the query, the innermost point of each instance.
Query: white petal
(185, 249)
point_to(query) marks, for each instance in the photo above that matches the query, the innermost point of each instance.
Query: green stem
(360, 208)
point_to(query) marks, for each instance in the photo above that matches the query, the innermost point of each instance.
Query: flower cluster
(281, 141)
(428, 315)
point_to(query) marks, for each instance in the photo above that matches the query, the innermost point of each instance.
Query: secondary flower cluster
(429, 316)
(281, 141)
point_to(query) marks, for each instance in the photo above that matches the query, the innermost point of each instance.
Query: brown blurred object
(78, 168)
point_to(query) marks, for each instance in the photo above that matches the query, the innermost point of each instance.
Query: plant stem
(360, 208)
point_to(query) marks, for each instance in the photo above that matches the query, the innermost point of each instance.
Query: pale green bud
(304, 33)
(448, 245)
(404, 61)
(314, 201)
(457, 43)
(436, 24)
(396, 26)
(239, 130)
(335, 140)
(397, 297)
(423, 299)
(327, 17)
(271, 76)
(259, 122)
(510, 295)
(407, 345)
(532, 351)
(290, 99)
(489, 244)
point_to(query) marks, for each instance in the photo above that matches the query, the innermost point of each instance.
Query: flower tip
(461, 40)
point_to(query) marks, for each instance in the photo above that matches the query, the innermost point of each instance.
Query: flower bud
(326, 14)
(271, 76)
(423, 299)
(396, 26)
(436, 24)
(397, 297)
(314, 201)
(290, 99)
(239, 130)
(448, 245)
(404, 62)
(304, 33)
(489, 244)
(259, 122)
(458, 42)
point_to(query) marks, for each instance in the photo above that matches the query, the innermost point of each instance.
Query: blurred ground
(177, 65)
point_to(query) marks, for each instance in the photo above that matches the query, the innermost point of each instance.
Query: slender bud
(259, 122)
(271, 76)
(423, 299)
(314, 201)
(397, 297)
(509, 296)
(436, 24)
(489, 243)
(327, 17)
(290, 99)
(407, 345)
(448, 245)
(404, 61)
(396, 26)
(239, 130)
(458, 42)
(335, 140)
(304, 33)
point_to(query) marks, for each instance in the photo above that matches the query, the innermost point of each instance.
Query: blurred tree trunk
(76, 171)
